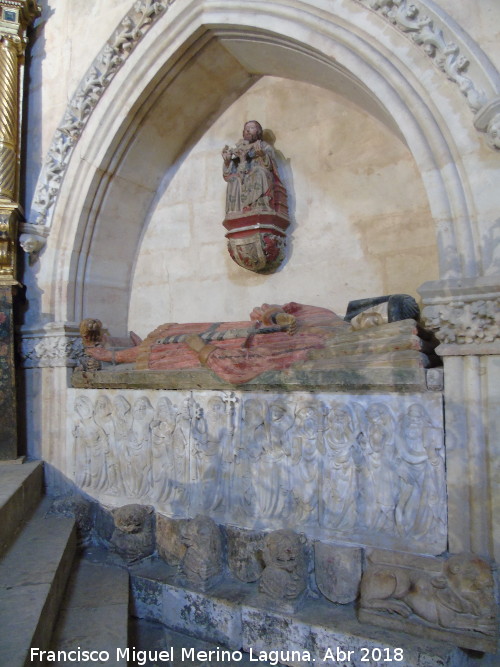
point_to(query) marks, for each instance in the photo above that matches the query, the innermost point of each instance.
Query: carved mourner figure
(422, 494)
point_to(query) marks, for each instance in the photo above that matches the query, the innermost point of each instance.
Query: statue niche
(256, 202)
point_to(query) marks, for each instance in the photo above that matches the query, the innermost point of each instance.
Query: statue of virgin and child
(251, 173)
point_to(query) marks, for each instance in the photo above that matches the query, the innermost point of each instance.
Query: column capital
(56, 344)
(15, 17)
(464, 314)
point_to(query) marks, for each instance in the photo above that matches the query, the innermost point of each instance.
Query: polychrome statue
(256, 202)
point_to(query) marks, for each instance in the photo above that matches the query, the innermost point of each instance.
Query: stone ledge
(368, 379)
(315, 628)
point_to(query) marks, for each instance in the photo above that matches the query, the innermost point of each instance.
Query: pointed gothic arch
(349, 49)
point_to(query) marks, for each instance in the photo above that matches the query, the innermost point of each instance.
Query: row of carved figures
(339, 465)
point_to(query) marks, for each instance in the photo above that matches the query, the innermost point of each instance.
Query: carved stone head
(91, 331)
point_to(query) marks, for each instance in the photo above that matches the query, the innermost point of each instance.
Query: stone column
(15, 17)
(465, 315)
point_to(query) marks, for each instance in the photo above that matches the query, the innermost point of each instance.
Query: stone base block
(213, 619)
(320, 633)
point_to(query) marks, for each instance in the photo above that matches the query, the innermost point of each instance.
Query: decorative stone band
(57, 344)
(428, 30)
(465, 316)
(406, 16)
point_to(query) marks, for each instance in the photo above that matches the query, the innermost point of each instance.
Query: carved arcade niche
(368, 469)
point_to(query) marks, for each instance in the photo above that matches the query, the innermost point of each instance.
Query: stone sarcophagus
(365, 469)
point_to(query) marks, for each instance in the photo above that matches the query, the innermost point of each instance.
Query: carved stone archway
(351, 44)
(398, 73)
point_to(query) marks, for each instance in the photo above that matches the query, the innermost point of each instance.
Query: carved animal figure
(133, 537)
(460, 598)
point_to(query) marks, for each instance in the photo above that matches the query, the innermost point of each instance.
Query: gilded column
(15, 17)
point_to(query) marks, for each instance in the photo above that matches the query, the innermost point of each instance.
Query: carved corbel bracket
(32, 240)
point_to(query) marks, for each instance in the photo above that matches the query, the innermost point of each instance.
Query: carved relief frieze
(465, 321)
(52, 346)
(364, 468)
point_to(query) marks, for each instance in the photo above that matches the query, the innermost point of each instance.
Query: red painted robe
(243, 357)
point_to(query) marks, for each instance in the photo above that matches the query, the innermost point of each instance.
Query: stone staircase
(49, 598)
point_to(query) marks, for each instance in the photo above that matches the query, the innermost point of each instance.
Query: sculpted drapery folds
(273, 339)
(251, 172)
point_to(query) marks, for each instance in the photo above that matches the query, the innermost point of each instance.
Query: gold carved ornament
(15, 17)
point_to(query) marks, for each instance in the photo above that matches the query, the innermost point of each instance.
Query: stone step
(93, 615)
(33, 575)
(20, 492)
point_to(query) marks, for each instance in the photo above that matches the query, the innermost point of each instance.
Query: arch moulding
(402, 62)
(352, 41)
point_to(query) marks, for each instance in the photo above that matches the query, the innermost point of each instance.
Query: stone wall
(358, 207)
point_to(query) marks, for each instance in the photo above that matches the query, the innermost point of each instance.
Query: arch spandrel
(352, 41)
